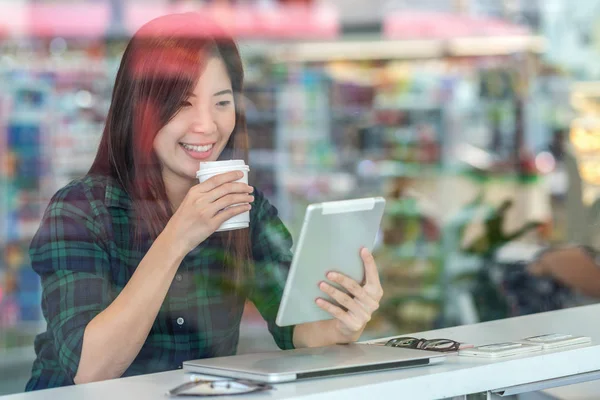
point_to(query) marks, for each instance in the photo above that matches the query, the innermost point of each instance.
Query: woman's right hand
(204, 209)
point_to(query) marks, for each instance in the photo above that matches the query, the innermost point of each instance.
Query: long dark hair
(161, 65)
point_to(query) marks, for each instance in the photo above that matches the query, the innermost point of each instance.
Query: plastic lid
(210, 167)
(220, 164)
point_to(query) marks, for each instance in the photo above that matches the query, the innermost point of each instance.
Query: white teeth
(199, 149)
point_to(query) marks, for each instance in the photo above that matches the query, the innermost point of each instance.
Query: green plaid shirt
(84, 255)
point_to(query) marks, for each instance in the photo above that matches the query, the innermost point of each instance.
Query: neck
(176, 188)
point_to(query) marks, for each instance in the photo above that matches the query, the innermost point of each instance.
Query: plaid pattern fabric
(84, 255)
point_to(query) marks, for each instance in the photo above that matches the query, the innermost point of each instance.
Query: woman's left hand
(360, 302)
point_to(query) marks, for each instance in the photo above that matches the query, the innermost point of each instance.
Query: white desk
(457, 376)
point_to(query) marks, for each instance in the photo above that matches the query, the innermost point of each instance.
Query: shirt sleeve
(271, 249)
(68, 254)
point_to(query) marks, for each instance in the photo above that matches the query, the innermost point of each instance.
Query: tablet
(331, 237)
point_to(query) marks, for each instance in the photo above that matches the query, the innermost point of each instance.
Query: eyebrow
(222, 92)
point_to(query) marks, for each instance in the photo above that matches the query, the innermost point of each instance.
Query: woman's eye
(185, 104)
(224, 103)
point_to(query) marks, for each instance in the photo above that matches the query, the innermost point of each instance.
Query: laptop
(316, 362)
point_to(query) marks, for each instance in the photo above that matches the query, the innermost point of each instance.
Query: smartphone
(497, 350)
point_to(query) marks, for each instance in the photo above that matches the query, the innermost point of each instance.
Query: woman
(135, 279)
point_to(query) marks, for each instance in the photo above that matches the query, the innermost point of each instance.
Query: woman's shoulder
(90, 193)
(75, 221)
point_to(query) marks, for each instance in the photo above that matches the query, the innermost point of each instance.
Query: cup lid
(220, 164)
(212, 167)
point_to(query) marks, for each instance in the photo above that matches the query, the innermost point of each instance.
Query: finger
(344, 317)
(230, 212)
(371, 273)
(355, 289)
(228, 201)
(225, 189)
(343, 299)
(219, 180)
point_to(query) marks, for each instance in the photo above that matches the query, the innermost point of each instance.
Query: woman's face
(201, 128)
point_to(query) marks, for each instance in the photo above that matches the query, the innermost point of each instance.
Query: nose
(203, 122)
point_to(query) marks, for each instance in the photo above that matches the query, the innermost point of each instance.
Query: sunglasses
(441, 345)
(210, 388)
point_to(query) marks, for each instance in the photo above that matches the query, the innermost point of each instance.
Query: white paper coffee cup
(211, 168)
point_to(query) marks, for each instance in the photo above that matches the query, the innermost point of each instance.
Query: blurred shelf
(9, 358)
(391, 169)
(264, 158)
(460, 263)
(22, 328)
(302, 180)
(425, 251)
(431, 294)
(404, 207)
(417, 105)
(351, 113)
(253, 117)
(502, 177)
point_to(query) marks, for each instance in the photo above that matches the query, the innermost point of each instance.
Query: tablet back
(330, 240)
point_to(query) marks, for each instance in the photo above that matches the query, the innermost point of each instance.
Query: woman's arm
(572, 267)
(114, 337)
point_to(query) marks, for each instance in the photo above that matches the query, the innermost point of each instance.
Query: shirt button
(178, 277)
(180, 321)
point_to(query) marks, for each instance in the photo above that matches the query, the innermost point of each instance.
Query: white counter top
(457, 376)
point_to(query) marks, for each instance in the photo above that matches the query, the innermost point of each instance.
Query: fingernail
(332, 275)
(322, 285)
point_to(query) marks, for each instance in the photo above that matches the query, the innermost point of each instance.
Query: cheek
(164, 142)
(160, 140)
(167, 136)
(158, 146)
(226, 123)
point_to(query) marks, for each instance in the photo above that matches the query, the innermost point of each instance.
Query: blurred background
(478, 120)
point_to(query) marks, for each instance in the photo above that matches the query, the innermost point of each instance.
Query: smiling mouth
(197, 149)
